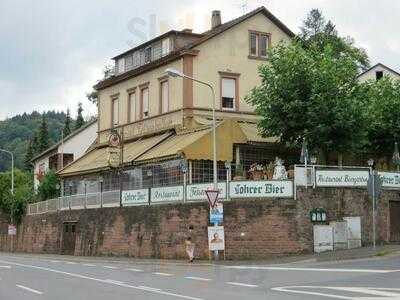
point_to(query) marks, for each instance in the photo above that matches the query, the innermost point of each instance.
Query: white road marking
(134, 270)
(242, 284)
(311, 269)
(89, 265)
(54, 261)
(71, 263)
(162, 274)
(5, 267)
(114, 281)
(370, 291)
(102, 280)
(198, 278)
(149, 288)
(29, 289)
(110, 267)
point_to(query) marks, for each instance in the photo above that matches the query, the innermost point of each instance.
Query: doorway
(68, 238)
(394, 207)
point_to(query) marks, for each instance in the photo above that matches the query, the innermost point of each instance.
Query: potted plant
(239, 173)
(257, 171)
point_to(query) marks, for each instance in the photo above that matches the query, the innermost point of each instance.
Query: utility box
(323, 238)
(339, 235)
(353, 232)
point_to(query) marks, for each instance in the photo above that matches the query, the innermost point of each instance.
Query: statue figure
(280, 170)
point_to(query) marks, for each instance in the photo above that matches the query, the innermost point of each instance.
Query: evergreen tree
(28, 156)
(43, 136)
(79, 119)
(35, 144)
(67, 124)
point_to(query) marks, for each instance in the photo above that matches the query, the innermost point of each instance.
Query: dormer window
(147, 55)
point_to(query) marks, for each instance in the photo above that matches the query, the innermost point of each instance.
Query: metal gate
(68, 238)
(394, 207)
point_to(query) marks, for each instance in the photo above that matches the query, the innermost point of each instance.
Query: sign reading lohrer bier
(257, 189)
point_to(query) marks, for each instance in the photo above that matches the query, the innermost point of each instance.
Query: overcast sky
(52, 52)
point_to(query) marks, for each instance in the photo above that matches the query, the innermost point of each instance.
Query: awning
(253, 135)
(197, 144)
(97, 159)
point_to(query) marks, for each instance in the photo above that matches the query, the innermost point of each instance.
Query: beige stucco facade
(225, 53)
(228, 52)
(371, 73)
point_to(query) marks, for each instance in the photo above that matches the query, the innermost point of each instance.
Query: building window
(129, 62)
(134, 108)
(164, 96)
(229, 91)
(165, 47)
(145, 102)
(259, 44)
(147, 55)
(253, 44)
(121, 65)
(379, 75)
(115, 112)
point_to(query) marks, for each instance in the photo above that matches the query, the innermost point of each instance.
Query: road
(64, 277)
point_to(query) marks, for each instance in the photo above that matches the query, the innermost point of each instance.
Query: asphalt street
(64, 277)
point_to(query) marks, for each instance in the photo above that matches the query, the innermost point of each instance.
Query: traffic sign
(12, 229)
(212, 196)
(217, 214)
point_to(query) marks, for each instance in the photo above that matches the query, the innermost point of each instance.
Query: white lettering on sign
(390, 180)
(135, 197)
(349, 178)
(166, 194)
(198, 191)
(261, 189)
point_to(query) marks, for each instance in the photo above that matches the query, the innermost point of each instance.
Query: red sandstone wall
(253, 228)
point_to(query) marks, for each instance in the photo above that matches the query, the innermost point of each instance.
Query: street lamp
(370, 163)
(176, 73)
(12, 169)
(396, 156)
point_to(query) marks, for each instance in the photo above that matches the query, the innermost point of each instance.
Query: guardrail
(168, 194)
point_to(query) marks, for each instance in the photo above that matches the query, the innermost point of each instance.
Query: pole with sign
(374, 185)
(212, 196)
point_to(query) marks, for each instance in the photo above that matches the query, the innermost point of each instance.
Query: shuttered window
(145, 99)
(228, 93)
(164, 90)
(115, 112)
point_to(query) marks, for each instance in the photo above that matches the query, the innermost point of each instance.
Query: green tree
(49, 186)
(67, 124)
(43, 135)
(28, 156)
(383, 114)
(79, 119)
(316, 32)
(14, 205)
(312, 94)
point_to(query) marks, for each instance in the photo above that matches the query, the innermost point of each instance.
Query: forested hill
(16, 132)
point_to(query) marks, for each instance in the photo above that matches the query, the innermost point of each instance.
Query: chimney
(215, 19)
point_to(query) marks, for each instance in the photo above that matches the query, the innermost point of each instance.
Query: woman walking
(190, 249)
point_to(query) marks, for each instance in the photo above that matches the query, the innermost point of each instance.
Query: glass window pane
(115, 112)
(263, 45)
(145, 97)
(253, 43)
(132, 107)
(164, 97)
(228, 92)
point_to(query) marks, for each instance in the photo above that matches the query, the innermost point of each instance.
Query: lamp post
(12, 168)
(372, 173)
(396, 157)
(305, 158)
(176, 73)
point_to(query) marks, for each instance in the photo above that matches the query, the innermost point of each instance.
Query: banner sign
(12, 229)
(133, 197)
(261, 189)
(167, 194)
(198, 191)
(345, 178)
(216, 238)
(390, 180)
(217, 214)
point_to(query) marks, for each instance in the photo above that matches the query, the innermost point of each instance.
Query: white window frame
(145, 104)
(164, 102)
(115, 112)
(233, 108)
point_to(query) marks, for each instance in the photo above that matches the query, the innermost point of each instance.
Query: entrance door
(69, 237)
(394, 207)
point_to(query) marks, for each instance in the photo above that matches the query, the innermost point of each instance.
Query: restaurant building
(155, 130)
